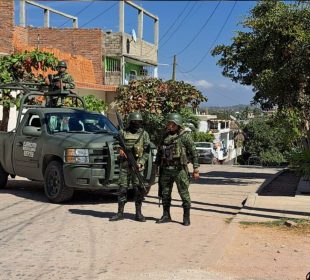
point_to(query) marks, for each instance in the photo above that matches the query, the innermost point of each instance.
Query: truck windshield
(81, 122)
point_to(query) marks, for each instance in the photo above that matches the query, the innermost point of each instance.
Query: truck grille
(106, 158)
(99, 156)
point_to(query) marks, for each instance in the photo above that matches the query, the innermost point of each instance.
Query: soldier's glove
(196, 174)
(140, 166)
(122, 153)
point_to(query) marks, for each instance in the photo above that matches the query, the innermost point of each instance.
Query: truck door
(27, 149)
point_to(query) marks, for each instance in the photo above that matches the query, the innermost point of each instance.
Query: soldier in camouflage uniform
(176, 148)
(61, 79)
(138, 140)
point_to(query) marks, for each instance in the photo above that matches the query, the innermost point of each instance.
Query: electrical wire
(100, 14)
(200, 30)
(78, 13)
(220, 93)
(179, 25)
(214, 41)
(175, 21)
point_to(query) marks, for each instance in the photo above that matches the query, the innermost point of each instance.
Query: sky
(187, 29)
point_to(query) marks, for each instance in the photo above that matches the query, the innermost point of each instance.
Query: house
(98, 60)
(223, 131)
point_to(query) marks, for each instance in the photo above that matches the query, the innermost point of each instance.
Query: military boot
(186, 219)
(166, 218)
(139, 217)
(120, 213)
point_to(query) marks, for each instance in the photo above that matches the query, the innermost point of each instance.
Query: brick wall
(6, 25)
(20, 37)
(83, 42)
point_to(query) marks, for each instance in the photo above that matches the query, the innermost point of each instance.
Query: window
(34, 120)
(112, 64)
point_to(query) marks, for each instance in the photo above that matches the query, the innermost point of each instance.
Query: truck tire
(54, 183)
(3, 178)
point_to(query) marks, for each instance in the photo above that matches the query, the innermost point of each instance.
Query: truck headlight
(76, 156)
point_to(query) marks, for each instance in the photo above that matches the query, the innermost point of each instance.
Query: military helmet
(175, 117)
(62, 64)
(135, 116)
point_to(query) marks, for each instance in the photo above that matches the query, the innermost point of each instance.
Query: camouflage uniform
(139, 142)
(173, 155)
(65, 78)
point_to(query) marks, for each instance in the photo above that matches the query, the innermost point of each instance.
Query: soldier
(138, 140)
(176, 148)
(61, 79)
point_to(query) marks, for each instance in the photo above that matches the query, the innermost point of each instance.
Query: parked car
(205, 152)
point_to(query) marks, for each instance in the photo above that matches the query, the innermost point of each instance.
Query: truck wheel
(54, 184)
(3, 177)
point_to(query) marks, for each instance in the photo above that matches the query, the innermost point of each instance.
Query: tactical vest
(173, 151)
(134, 141)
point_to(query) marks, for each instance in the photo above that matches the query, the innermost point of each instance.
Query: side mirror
(32, 131)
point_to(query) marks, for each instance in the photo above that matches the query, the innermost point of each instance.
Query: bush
(202, 137)
(272, 158)
(300, 162)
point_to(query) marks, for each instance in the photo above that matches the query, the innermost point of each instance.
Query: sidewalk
(266, 207)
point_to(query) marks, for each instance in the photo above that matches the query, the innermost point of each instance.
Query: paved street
(39, 240)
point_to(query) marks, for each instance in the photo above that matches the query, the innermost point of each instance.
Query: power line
(201, 29)
(78, 13)
(180, 24)
(219, 92)
(175, 21)
(100, 14)
(214, 41)
(171, 26)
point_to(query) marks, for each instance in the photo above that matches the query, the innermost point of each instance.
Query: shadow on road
(34, 191)
(105, 215)
(237, 175)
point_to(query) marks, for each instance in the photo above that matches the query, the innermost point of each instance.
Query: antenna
(134, 35)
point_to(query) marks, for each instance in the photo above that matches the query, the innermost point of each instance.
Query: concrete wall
(140, 48)
(6, 26)
(116, 45)
(113, 44)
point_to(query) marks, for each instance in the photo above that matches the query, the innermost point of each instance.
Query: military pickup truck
(67, 148)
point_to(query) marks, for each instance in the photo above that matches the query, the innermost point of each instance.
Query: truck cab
(67, 148)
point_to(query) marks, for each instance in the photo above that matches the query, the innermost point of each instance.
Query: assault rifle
(129, 156)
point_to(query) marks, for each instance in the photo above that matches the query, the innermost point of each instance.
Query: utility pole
(174, 67)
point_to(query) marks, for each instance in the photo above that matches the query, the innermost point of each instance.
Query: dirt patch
(268, 253)
(283, 185)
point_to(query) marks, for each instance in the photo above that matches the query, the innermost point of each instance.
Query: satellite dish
(134, 36)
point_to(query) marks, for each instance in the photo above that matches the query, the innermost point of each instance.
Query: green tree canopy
(20, 67)
(273, 56)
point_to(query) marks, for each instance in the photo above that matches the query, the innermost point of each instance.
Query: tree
(273, 56)
(95, 104)
(155, 98)
(22, 67)
(272, 139)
